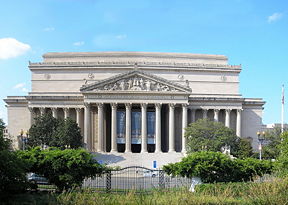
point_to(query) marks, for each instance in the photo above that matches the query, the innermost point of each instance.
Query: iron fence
(135, 178)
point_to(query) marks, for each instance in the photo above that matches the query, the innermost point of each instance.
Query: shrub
(217, 167)
(64, 168)
(12, 173)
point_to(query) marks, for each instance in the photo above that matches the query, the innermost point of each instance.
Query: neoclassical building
(134, 106)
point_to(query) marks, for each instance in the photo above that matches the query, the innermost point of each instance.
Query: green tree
(208, 135)
(271, 149)
(68, 135)
(43, 130)
(243, 148)
(12, 169)
(64, 168)
(282, 162)
(53, 132)
(4, 143)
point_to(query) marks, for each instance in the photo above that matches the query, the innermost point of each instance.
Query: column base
(158, 152)
(171, 151)
(113, 151)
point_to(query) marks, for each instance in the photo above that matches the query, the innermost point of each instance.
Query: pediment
(135, 81)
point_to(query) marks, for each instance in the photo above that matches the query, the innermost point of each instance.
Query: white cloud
(11, 48)
(25, 90)
(275, 17)
(19, 85)
(121, 36)
(47, 29)
(79, 43)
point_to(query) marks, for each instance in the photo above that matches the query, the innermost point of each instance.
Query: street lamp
(261, 138)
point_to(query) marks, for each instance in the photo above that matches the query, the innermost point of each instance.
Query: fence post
(108, 181)
(161, 179)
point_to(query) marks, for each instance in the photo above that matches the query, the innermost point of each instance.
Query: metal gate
(135, 178)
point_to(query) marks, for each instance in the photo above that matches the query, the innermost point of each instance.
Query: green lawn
(274, 192)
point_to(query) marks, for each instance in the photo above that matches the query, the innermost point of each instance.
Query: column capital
(144, 105)
(128, 105)
(113, 105)
(158, 105)
(78, 109)
(65, 109)
(31, 109)
(100, 105)
(184, 105)
(216, 110)
(87, 104)
(42, 110)
(172, 105)
(228, 110)
(239, 110)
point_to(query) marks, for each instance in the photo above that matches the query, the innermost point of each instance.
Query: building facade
(136, 104)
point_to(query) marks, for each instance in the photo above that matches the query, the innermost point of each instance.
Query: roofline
(133, 54)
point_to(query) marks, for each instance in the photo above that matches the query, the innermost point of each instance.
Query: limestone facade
(136, 102)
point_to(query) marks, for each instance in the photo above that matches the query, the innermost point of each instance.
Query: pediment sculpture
(136, 83)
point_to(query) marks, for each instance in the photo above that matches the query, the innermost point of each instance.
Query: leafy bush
(64, 168)
(217, 167)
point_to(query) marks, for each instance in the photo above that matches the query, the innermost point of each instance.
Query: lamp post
(22, 139)
(261, 138)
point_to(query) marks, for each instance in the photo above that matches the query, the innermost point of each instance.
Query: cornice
(130, 65)
(124, 54)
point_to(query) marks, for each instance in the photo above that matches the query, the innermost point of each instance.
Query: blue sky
(253, 33)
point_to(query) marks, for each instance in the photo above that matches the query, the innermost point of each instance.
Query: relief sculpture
(137, 84)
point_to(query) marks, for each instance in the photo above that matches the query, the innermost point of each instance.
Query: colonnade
(144, 140)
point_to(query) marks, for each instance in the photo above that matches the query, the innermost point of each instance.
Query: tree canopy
(282, 161)
(208, 135)
(64, 168)
(271, 149)
(12, 169)
(53, 132)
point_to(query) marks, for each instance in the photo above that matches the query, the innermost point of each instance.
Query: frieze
(143, 97)
(136, 84)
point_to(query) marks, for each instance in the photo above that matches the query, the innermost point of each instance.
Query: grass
(274, 192)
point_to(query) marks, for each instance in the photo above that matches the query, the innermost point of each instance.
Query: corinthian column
(54, 112)
(184, 125)
(100, 127)
(42, 111)
(216, 115)
(227, 117)
(205, 111)
(192, 115)
(31, 120)
(78, 111)
(158, 128)
(238, 123)
(144, 127)
(128, 128)
(114, 127)
(87, 118)
(66, 112)
(171, 128)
